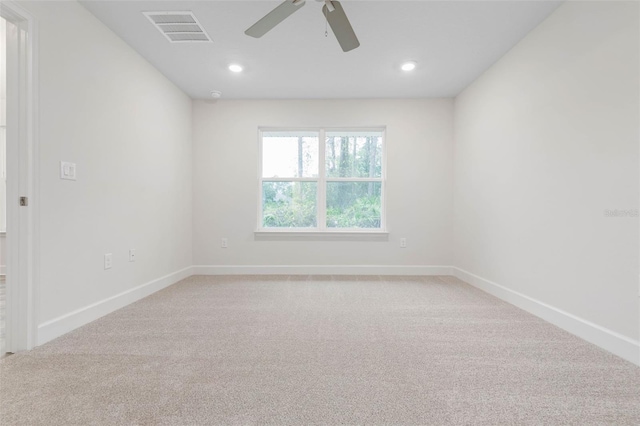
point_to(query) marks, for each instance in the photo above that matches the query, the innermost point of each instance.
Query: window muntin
(345, 194)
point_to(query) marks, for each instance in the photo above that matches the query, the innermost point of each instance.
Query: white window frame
(322, 181)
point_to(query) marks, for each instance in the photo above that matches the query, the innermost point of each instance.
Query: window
(321, 180)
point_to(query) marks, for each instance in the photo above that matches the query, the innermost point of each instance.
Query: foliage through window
(322, 180)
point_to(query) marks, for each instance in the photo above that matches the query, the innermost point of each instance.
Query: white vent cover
(178, 27)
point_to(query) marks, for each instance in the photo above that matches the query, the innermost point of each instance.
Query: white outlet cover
(108, 261)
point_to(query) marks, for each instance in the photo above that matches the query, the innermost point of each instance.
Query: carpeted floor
(295, 350)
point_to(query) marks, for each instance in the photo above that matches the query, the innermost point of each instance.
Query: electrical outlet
(108, 261)
(225, 243)
(132, 255)
(403, 243)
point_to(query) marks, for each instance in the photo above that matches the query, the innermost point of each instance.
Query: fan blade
(341, 27)
(273, 18)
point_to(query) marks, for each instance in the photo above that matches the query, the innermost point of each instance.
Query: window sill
(283, 235)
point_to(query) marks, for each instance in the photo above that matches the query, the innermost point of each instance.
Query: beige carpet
(319, 350)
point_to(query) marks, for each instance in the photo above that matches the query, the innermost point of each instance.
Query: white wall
(545, 141)
(128, 129)
(419, 181)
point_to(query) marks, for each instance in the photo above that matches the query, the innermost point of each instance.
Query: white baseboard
(608, 340)
(321, 270)
(58, 326)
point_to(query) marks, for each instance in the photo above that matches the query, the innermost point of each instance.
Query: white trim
(56, 327)
(321, 200)
(303, 233)
(608, 340)
(23, 241)
(321, 270)
(291, 179)
(297, 234)
(352, 179)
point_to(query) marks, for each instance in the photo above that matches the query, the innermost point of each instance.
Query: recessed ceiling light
(408, 66)
(235, 68)
(216, 94)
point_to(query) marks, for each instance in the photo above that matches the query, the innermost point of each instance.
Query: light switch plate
(67, 170)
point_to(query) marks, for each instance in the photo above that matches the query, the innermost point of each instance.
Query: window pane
(289, 204)
(353, 204)
(289, 154)
(353, 154)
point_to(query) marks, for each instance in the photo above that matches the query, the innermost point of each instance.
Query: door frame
(22, 241)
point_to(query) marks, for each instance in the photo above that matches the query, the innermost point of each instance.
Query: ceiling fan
(332, 10)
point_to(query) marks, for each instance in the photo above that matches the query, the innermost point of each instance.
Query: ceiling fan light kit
(332, 11)
(408, 66)
(330, 6)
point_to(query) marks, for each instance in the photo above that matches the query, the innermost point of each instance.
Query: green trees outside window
(289, 204)
(336, 185)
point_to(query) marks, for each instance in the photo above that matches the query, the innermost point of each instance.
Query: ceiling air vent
(178, 27)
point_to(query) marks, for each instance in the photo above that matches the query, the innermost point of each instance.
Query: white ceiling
(453, 42)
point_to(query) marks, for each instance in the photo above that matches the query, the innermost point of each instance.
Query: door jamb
(23, 255)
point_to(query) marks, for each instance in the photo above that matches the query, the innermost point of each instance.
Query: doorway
(3, 185)
(17, 155)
